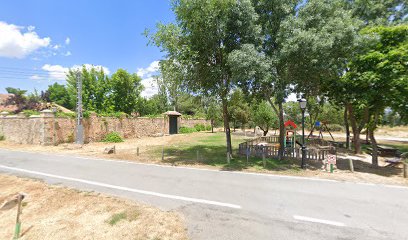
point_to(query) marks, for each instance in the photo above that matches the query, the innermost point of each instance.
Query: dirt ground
(127, 150)
(55, 212)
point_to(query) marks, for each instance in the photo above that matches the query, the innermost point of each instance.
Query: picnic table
(385, 151)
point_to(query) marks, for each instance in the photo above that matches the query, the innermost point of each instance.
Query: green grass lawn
(210, 149)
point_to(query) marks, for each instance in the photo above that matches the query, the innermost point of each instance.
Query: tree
(378, 75)
(125, 91)
(95, 89)
(58, 94)
(264, 117)
(239, 109)
(303, 44)
(214, 114)
(205, 34)
(18, 96)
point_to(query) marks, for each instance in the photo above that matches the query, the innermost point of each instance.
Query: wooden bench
(385, 151)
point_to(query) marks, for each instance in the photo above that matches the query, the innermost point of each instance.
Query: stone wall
(49, 130)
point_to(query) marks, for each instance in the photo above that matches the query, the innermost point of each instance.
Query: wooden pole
(247, 156)
(351, 165)
(263, 157)
(162, 153)
(405, 170)
(18, 222)
(198, 158)
(137, 151)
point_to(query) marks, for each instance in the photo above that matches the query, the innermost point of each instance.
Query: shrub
(208, 128)
(187, 130)
(335, 127)
(2, 137)
(28, 113)
(112, 137)
(199, 127)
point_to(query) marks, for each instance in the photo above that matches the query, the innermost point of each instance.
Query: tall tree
(206, 33)
(303, 44)
(126, 89)
(379, 75)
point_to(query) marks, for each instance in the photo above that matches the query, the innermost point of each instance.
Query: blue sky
(40, 40)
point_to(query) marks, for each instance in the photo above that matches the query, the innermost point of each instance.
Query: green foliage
(187, 130)
(2, 137)
(200, 127)
(115, 218)
(125, 91)
(264, 116)
(58, 94)
(113, 137)
(119, 115)
(28, 113)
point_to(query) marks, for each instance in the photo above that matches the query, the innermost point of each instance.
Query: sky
(40, 40)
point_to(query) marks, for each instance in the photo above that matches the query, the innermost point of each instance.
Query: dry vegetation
(54, 212)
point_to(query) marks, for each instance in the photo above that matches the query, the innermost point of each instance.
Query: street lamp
(302, 104)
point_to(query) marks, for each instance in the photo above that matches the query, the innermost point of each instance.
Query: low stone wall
(49, 130)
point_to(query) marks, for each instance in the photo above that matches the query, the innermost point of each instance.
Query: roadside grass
(115, 218)
(209, 149)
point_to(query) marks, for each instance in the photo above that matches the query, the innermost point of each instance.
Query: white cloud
(55, 72)
(58, 72)
(56, 47)
(148, 72)
(68, 53)
(14, 43)
(36, 77)
(147, 79)
(150, 87)
(67, 41)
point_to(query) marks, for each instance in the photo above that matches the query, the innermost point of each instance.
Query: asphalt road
(232, 205)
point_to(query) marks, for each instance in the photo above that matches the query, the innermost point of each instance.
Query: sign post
(331, 159)
(11, 204)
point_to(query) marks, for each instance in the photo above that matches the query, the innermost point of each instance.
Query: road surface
(233, 205)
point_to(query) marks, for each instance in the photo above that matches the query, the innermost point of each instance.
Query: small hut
(173, 121)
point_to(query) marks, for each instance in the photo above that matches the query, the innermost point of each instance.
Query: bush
(199, 127)
(112, 137)
(187, 130)
(208, 128)
(28, 113)
(2, 138)
(335, 127)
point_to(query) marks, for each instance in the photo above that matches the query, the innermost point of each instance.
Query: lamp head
(302, 103)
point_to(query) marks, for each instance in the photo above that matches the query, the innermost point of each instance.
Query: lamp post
(302, 104)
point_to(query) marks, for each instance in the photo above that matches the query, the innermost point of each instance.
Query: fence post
(198, 156)
(263, 157)
(162, 153)
(137, 151)
(247, 155)
(405, 170)
(351, 165)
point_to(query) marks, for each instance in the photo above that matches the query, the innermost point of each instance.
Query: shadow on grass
(215, 155)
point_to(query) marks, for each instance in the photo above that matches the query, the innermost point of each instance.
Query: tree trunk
(367, 134)
(226, 125)
(346, 125)
(265, 132)
(374, 154)
(355, 129)
(281, 132)
(212, 125)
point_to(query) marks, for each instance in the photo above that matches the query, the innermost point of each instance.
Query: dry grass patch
(54, 212)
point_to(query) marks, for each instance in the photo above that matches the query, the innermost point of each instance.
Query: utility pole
(80, 128)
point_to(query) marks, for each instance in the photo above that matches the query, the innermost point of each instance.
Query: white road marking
(162, 195)
(316, 220)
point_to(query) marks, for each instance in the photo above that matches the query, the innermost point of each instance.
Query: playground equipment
(290, 140)
(322, 127)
